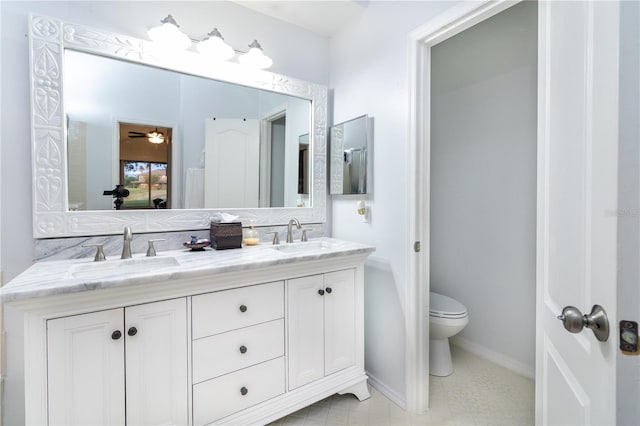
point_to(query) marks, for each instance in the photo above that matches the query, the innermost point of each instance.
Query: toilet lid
(446, 307)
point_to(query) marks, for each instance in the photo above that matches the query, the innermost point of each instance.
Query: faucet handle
(276, 238)
(99, 252)
(151, 251)
(304, 236)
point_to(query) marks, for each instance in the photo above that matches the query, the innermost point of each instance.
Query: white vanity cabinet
(133, 357)
(321, 325)
(239, 337)
(238, 349)
(86, 369)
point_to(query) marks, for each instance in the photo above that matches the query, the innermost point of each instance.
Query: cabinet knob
(329, 290)
(244, 390)
(132, 331)
(243, 308)
(116, 335)
(243, 349)
(321, 292)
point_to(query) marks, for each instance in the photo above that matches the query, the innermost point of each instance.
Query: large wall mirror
(184, 136)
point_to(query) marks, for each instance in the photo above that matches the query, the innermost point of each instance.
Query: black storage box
(226, 235)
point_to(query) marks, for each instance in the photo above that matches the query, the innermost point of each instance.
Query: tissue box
(226, 235)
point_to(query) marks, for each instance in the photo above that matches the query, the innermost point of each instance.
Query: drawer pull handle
(329, 290)
(244, 391)
(243, 308)
(321, 292)
(116, 335)
(243, 349)
(132, 331)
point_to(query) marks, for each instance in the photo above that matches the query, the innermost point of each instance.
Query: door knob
(597, 321)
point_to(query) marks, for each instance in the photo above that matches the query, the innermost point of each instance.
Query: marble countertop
(57, 277)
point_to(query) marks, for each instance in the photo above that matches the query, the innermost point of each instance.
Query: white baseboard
(495, 357)
(391, 394)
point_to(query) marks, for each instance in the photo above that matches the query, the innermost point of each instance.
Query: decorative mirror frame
(48, 37)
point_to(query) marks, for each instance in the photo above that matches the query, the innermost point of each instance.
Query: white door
(339, 320)
(86, 369)
(232, 163)
(156, 356)
(306, 330)
(577, 188)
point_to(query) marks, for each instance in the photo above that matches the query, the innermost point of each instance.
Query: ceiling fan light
(214, 46)
(255, 57)
(169, 35)
(156, 137)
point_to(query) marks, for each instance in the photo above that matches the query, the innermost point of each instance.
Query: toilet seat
(445, 307)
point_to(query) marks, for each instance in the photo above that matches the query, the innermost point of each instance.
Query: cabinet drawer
(224, 353)
(227, 310)
(217, 398)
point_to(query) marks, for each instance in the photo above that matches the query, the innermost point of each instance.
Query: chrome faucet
(291, 222)
(126, 246)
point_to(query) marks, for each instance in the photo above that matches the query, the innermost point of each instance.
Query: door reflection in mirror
(145, 165)
(303, 166)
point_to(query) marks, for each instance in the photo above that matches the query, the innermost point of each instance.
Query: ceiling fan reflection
(153, 137)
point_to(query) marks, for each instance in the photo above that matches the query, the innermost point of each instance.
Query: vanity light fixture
(169, 35)
(215, 47)
(255, 57)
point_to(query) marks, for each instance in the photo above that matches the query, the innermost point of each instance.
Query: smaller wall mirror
(350, 152)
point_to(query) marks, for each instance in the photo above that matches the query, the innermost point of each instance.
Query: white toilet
(447, 317)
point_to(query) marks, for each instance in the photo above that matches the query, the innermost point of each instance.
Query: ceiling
(321, 17)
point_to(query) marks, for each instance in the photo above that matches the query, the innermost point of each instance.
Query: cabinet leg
(360, 390)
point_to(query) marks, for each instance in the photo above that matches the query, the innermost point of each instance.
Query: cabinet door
(156, 355)
(86, 369)
(339, 321)
(306, 334)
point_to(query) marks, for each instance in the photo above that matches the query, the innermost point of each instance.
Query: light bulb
(169, 35)
(156, 137)
(215, 47)
(255, 57)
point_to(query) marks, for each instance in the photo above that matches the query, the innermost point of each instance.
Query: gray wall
(628, 368)
(295, 52)
(483, 182)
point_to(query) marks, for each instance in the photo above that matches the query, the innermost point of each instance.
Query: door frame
(420, 41)
(174, 159)
(266, 123)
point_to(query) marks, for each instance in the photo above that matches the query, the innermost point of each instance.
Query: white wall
(483, 181)
(369, 75)
(295, 52)
(628, 367)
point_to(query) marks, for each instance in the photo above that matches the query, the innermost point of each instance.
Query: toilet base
(440, 363)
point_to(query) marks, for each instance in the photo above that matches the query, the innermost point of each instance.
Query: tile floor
(477, 393)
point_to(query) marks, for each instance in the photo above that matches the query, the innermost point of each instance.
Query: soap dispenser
(251, 237)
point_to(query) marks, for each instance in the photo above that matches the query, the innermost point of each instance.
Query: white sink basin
(305, 247)
(111, 268)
